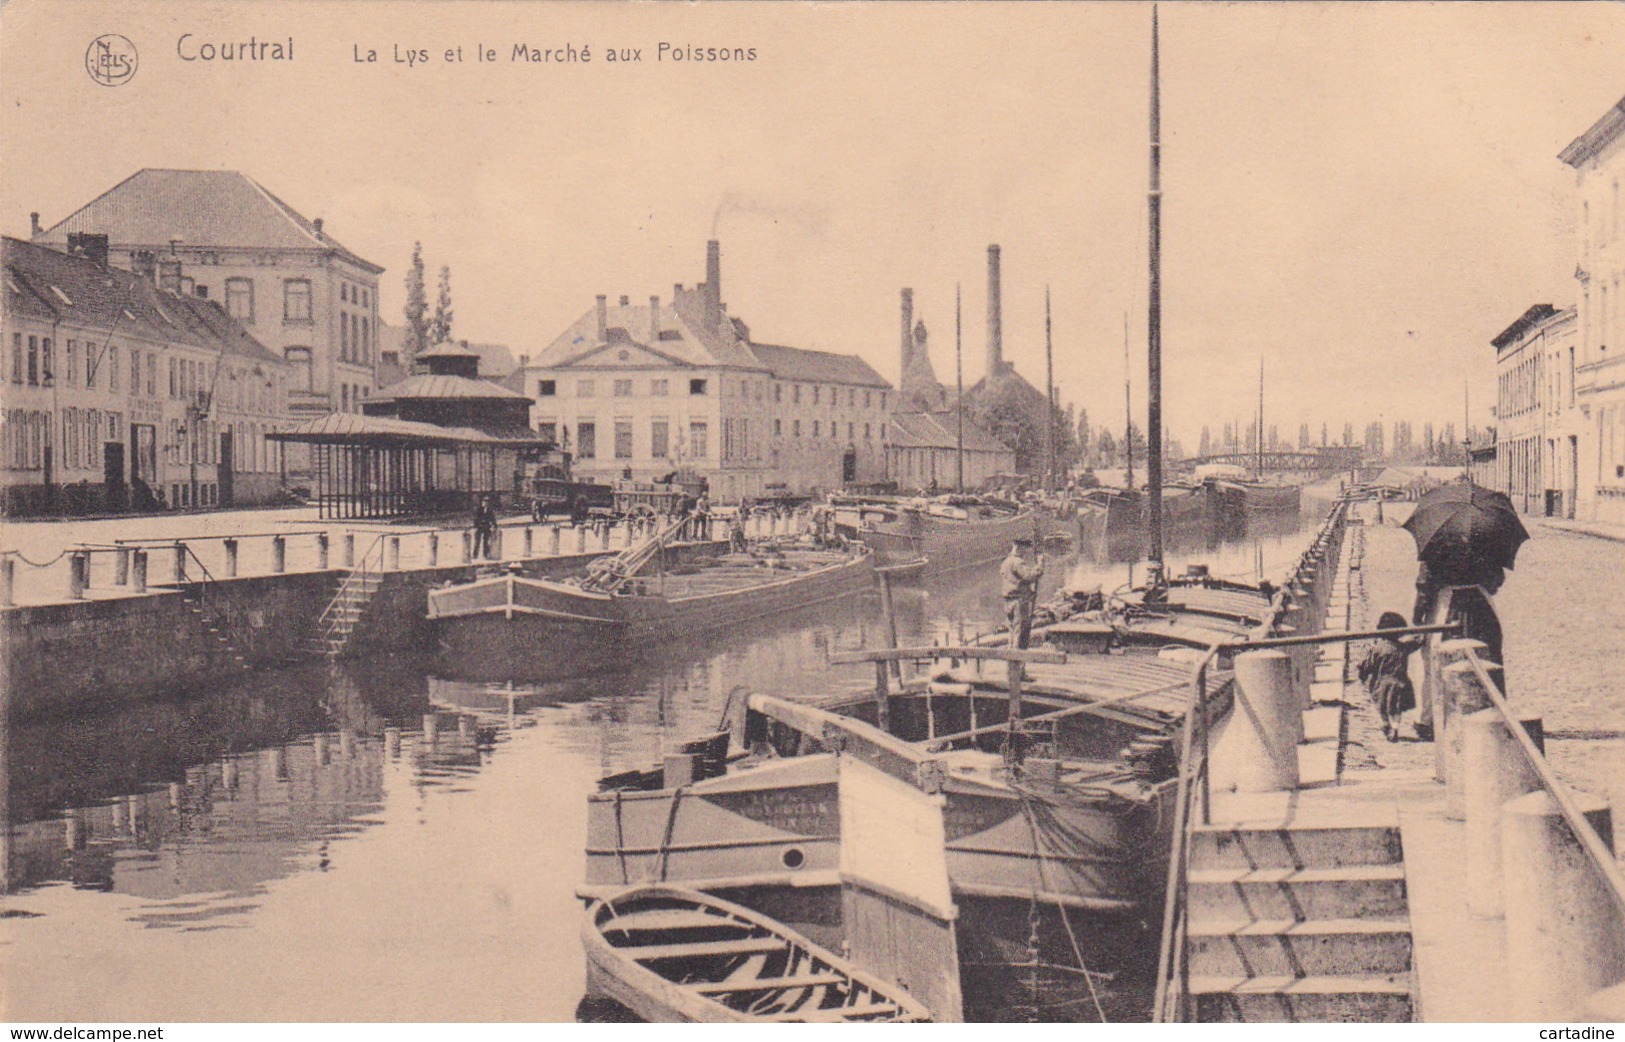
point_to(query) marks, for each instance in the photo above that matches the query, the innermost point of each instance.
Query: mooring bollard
(431, 728)
(394, 547)
(121, 566)
(581, 539)
(231, 558)
(180, 561)
(8, 580)
(1462, 695)
(530, 542)
(1439, 653)
(553, 540)
(138, 575)
(349, 549)
(319, 744)
(279, 554)
(347, 744)
(322, 551)
(78, 574)
(434, 549)
(1447, 759)
(1261, 742)
(1565, 938)
(392, 742)
(1494, 770)
(468, 546)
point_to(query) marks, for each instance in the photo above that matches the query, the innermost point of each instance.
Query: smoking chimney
(995, 327)
(908, 331)
(713, 283)
(654, 320)
(33, 221)
(603, 317)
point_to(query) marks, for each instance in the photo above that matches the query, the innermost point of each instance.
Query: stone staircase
(344, 612)
(196, 601)
(1299, 923)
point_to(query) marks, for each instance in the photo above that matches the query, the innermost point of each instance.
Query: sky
(1358, 195)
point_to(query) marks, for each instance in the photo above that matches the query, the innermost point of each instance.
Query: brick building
(681, 384)
(1536, 434)
(122, 388)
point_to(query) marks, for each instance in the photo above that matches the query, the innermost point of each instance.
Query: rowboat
(674, 955)
(949, 533)
(510, 610)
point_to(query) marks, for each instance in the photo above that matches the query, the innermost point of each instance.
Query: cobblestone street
(1565, 647)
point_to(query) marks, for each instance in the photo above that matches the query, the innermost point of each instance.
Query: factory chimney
(654, 320)
(603, 317)
(908, 333)
(713, 283)
(995, 327)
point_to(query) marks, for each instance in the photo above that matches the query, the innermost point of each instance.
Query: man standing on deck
(1018, 580)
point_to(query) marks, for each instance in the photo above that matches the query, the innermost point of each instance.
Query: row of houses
(160, 333)
(1559, 446)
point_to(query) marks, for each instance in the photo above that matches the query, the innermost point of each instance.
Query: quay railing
(1299, 603)
(112, 566)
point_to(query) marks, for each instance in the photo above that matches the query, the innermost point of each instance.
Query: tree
(1085, 442)
(440, 326)
(1106, 447)
(417, 309)
(1205, 446)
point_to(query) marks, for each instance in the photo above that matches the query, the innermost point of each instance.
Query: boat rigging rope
(1043, 883)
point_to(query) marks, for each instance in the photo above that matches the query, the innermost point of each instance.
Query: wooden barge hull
(515, 612)
(947, 544)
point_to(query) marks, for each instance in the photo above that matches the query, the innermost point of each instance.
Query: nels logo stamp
(111, 59)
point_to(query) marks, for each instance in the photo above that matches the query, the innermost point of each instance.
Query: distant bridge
(1326, 460)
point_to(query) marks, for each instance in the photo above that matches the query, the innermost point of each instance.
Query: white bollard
(581, 539)
(553, 540)
(1565, 938)
(1260, 746)
(1494, 770)
(1458, 694)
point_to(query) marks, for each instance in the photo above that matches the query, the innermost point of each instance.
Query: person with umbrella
(1466, 537)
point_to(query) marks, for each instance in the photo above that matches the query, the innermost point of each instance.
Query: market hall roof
(202, 208)
(432, 386)
(59, 287)
(344, 428)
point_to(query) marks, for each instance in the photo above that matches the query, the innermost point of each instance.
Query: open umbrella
(1462, 530)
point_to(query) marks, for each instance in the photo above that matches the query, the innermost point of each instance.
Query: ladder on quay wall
(198, 601)
(344, 612)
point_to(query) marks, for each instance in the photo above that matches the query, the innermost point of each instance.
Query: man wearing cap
(1018, 580)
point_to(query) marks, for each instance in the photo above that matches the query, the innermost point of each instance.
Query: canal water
(300, 846)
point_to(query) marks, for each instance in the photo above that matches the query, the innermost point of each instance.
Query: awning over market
(341, 428)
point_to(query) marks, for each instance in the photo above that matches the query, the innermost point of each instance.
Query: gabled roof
(348, 428)
(941, 431)
(1527, 321)
(794, 363)
(1603, 133)
(54, 286)
(682, 337)
(201, 208)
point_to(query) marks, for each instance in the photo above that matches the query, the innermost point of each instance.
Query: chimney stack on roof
(908, 330)
(145, 264)
(603, 317)
(626, 301)
(317, 223)
(995, 324)
(33, 221)
(169, 276)
(88, 245)
(654, 320)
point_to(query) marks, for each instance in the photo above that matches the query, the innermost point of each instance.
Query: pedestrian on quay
(1386, 675)
(485, 527)
(1018, 581)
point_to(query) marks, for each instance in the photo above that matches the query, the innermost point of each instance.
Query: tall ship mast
(1153, 434)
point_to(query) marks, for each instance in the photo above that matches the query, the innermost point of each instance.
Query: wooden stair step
(741, 946)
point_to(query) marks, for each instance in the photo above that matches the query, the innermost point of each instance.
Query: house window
(659, 438)
(697, 438)
(584, 389)
(623, 388)
(586, 440)
(868, 400)
(72, 360)
(366, 341)
(851, 431)
(778, 392)
(549, 431)
(295, 299)
(112, 369)
(344, 398)
(882, 401)
(152, 376)
(240, 299)
(815, 394)
(696, 387)
(135, 371)
(16, 358)
(344, 337)
(47, 363)
(623, 439)
(659, 388)
(817, 427)
(298, 359)
(33, 359)
(795, 394)
(866, 432)
(852, 397)
(795, 428)
(546, 388)
(778, 428)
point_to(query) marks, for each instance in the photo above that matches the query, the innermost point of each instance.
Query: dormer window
(696, 387)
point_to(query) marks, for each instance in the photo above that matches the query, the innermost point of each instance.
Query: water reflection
(404, 772)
